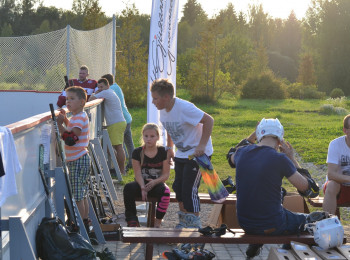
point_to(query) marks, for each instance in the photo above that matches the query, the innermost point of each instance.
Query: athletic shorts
(343, 195)
(116, 132)
(79, 171)
(186, 183)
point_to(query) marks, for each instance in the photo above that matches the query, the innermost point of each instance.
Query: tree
(23, 24)
(204, 68)
(290, 37)
(258, 25)
(191, 26)
(307, 71)
(79, 7)
(44, 27)
(94, 17)
(131, 67)
(7, 12)
(6, 30)
(193, 13)
(327, 24)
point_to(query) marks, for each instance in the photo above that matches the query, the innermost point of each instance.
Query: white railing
(22, 213)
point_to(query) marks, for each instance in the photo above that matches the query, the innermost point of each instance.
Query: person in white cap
(260, 169)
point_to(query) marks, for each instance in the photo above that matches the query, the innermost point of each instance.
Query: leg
(79, 172)
(162, 192)
(131, 190)
(177, 187)
(116, 134)
(190, 184)
(332, 190)
(190, 203)
(119, 153)
(129, 144)
(82, 209)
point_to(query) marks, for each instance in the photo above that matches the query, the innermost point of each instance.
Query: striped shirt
(76, 151)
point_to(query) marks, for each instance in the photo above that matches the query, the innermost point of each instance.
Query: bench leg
(149, 251)
(151, 214)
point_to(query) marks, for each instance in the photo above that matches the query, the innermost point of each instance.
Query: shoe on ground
(253, 250)
(286, 246)
(133, 223)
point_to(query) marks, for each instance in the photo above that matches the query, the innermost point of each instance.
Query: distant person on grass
(260, 169)
(151, 169)
(89, 85)
(337, 186)
(127, 134)
(114, 118)
(75, 133)
(189, 128)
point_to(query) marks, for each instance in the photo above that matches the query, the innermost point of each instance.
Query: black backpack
(54, 241)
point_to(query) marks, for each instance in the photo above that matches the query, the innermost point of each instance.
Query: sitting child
(151, 170)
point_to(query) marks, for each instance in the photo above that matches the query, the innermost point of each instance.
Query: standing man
(337, 187)
(127, 134)
(189, 128)
(260, 169)
(114, 119)
(89, 85)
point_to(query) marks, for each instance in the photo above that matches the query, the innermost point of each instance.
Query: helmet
(327, 233)
(269, 127)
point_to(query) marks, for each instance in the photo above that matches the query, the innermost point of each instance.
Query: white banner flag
(162, 49)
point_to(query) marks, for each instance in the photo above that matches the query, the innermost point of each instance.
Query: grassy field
(306, 128)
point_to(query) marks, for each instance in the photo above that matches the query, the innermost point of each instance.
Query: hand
(60, 118)
(144, 194)
(150, 184)
(252, 137)
(63, 111)
(170, 156)
(286, 148)
(200, 149)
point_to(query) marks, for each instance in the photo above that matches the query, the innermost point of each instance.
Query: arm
(231, 153)
(170, 151)
(286, 148)
(208, 123)
(62, 119)
(335, 174)
(162, 178)
(136, 165)
(299, 181)
(92, 97)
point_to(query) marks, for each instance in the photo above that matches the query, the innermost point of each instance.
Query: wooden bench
(152, 236)
(204, 198)
(318, 202)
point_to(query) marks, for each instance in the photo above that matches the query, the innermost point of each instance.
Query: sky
(275, 8)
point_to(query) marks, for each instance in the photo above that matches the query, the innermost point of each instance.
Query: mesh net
(39, 62)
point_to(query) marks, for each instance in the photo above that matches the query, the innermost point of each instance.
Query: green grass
(306, 129)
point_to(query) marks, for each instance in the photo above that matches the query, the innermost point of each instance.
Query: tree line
(248, 54)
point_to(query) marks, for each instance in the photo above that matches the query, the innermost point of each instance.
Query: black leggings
(132, 190)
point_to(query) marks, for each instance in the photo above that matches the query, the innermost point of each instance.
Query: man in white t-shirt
(189, 128)
(114, 118)
(337, 187)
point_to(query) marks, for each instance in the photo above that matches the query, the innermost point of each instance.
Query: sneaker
(253, 250)
(133, 223)
(286, 246)
(182, 223)
(192, 221)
